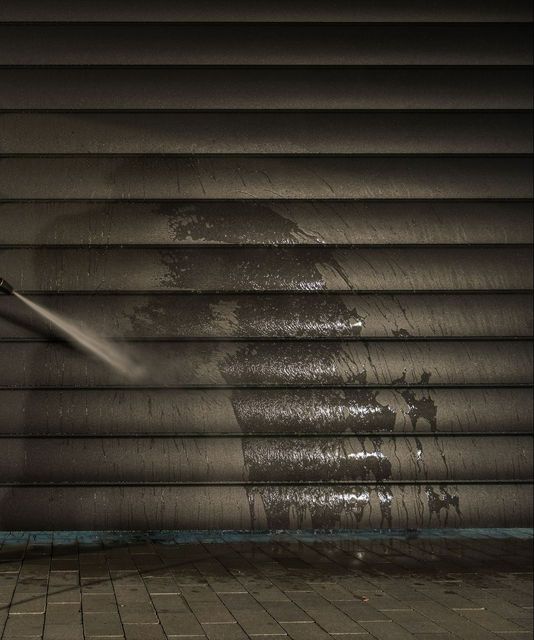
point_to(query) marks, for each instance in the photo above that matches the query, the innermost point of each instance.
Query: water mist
(104, 350)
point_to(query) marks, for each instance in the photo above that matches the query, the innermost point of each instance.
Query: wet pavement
(465, 584)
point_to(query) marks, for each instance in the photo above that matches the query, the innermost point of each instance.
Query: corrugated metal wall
(310, 221)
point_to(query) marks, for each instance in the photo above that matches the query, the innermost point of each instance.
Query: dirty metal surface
(276, 363)
(464, 87)
(272, 11)
(266, 44)
(261, 507)
(311, 226)
(266, 133)
(266, 222)
(269, 269)
(169, 460)
(291, 412)
(267, 316)
(322, 177)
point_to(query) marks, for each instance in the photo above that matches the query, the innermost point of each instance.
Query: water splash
(104, 350)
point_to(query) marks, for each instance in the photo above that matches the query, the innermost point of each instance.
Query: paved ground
(439, 585)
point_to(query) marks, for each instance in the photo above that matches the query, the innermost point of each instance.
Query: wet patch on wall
(440, 503)
(267, 269)
(229, 316)
(267, 363)
(259, 269)
(319, 411)
(401, 333)
(316, 459)
(233, 223)
(421, 405)
(319, 507)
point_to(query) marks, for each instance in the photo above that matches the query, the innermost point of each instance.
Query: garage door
(308, 223)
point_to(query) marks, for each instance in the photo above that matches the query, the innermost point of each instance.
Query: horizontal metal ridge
(272, 133)
(249, 177)
(276, 363)
(265, 44)
(289, 435)
(265, 459)
(254, 387)
(275, 10)
(259, 269)
(365, 484)
(54, 339)
(261, 88)
(302, 316)
(222, 412)
(265, 507)
(227, 223)
(156, 223)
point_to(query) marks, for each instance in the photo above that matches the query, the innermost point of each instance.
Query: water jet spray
(92, 344)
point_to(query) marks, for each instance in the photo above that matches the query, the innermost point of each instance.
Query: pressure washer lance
(5, 287)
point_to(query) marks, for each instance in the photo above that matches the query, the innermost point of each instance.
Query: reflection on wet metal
(234, 224)
(271, 222)
(264, 459)
(314, 411)
(296, 459)
(292, 507)
(308, 506)
(247, 316)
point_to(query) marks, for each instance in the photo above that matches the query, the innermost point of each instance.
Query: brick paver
(455, 585)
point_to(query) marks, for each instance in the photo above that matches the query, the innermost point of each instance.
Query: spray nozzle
(5, 287)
